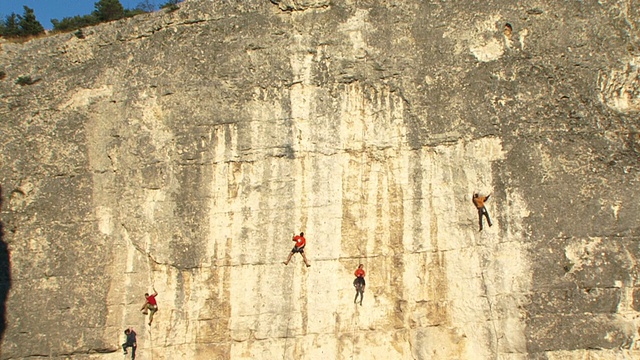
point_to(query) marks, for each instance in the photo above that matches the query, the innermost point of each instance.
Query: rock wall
(180, 151)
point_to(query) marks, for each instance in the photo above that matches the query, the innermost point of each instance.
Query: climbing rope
(150, 269)
(354, 324)
(150, 342)
(289, 306)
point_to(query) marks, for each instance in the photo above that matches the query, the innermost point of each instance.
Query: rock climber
(150, 305)
(508, 30)
(130, 342)
(359, 283)
(479, 201)
(298, 248)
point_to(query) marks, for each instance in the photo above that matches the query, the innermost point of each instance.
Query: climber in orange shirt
(478, 201)
(359, 283)
(298, 248)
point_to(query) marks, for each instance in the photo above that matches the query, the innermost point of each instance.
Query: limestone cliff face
(182, 150)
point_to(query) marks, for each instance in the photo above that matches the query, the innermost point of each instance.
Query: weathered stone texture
(181, 151)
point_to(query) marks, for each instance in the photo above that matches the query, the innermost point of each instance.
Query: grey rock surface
(180, 151)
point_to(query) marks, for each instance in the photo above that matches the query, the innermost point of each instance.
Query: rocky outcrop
(180, 151)
(291, 5)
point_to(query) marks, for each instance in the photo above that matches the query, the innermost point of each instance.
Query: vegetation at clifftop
(21, 25)
(27, 26)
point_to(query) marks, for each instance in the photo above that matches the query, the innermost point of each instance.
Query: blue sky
(46, 10)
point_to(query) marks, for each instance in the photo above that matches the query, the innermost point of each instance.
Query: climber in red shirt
(478, 201)
(150, 304)
(359, 283)
(298, 248)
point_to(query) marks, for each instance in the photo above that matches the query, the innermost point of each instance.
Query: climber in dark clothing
(478, 201)
(130, 342)
(359, 283)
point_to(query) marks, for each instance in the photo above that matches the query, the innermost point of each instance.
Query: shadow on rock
(5, 275)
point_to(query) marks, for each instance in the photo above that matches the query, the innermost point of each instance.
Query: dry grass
(24, 39)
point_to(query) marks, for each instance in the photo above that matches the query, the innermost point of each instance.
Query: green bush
(106, 10)
(25, 80)
(74, 23)
(171, 5)
(21, 26)
(29, 24)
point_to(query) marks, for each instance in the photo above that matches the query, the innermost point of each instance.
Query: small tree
(25, 25)
(74, 23)
(28, 23)
(132, 12)
(146, 6)
(171, 5)
(25, 80)
(9, 27)
(107, 10)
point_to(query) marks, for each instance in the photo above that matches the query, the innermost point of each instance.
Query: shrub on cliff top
(171, 5)
(106, 10)
(25, 80)
(21, 25)
(29, 24)
(74, 23)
